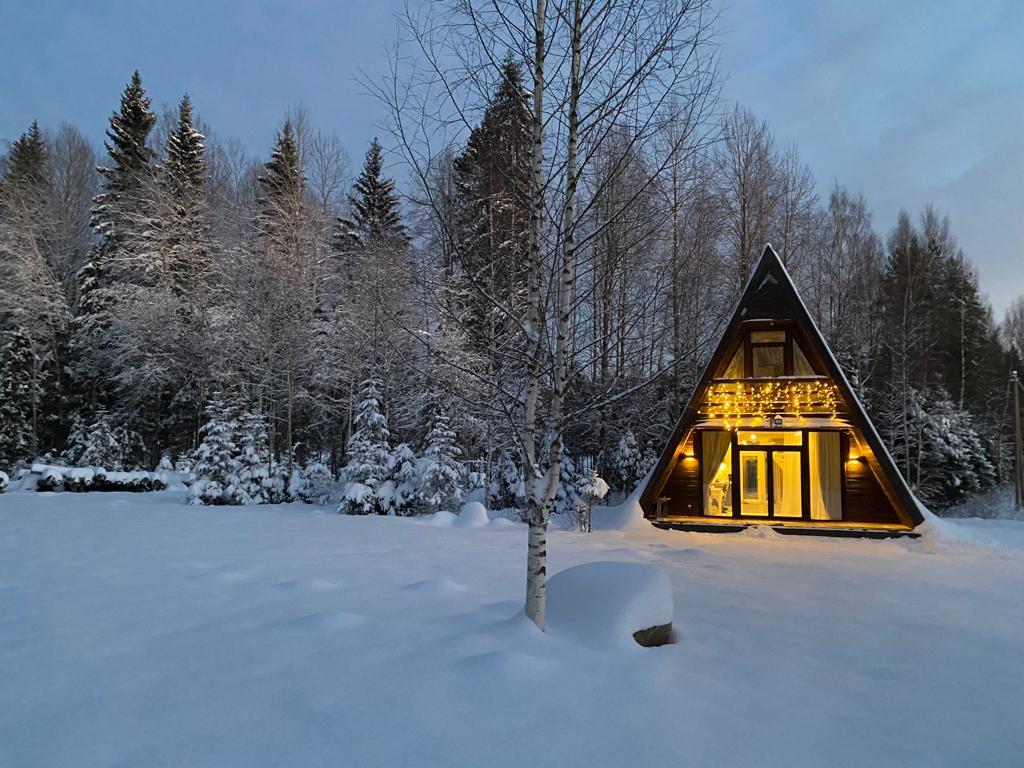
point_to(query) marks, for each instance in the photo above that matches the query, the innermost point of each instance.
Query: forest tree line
(573, 288)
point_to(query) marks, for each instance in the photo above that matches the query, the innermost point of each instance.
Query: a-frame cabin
(774, 434)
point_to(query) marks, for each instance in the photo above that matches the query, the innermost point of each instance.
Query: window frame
(745, 347)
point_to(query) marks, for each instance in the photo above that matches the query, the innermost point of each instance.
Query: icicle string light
(738, 401)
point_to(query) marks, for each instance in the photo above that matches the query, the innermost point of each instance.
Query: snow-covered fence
(48, 477)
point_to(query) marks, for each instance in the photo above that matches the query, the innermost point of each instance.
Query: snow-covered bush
(315, 484)
(590, 489)
(368, 456)
(5, 481)
(441, 483)
(216, 462)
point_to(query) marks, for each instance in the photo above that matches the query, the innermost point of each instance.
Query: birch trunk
(536, 558)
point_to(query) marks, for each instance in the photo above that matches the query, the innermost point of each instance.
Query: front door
(768, 474)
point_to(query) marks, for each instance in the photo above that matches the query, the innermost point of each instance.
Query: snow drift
(607, 603)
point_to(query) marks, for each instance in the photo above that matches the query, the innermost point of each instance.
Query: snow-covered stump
(611, 603)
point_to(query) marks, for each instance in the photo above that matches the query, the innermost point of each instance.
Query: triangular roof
(771, 295)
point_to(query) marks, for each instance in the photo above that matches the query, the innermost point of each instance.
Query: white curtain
(786, 478)
(714, 447)
(826, 481)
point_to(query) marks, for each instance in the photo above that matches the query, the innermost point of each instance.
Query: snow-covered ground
(138, 631)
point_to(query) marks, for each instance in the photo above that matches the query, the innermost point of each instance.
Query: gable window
(768, 354)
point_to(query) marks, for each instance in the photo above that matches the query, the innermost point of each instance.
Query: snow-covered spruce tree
(116, 212)
(441, 478)
(253, 471)
(33, 302)
(19, 398)
(491, 215)
(101, 446)
(185, 223)
(216, 463)
(120, 219)
(77, 440)
(626, 463)
(506, 485)
(950, 461)
(159, 336)
(400, 493)
(567, 499)
(368, 455)
(375, 213)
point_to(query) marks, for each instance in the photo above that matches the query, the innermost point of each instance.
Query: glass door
(753, 480)
(786, 484)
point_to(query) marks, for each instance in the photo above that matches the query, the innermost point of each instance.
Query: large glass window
(763, 474)
(801, 366)
(825, 465)
(735, 369)
(789, 437)
(768, 354)
(769, 361)
(717, 460)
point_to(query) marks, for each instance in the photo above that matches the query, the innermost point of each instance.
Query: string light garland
(735, 402)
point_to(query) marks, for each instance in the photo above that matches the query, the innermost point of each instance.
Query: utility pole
(1018, 444)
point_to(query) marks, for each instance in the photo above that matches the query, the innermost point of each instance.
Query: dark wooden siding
(866, 502)
(683, 488)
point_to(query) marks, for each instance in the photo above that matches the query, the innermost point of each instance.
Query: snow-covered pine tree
(506, 484)
(253, 472)
(441, 478)
(626, 463)
(121, 217)
(491, 216)
(375, 213)
(185, 223)
(400, 493)
(77, 440)
(280, 300)
(368, 456)
(216, 463)
(116, 211)
(567, 500)
(19, 398)
(101, 444)
(26, 177)
(948, 456)
(32, 298)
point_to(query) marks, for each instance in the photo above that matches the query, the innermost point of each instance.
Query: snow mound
(442, 519)
(625, 516)
(503, 522)
(604, 603)
(473, 515)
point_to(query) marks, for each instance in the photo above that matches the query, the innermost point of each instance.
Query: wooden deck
(796, 527)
